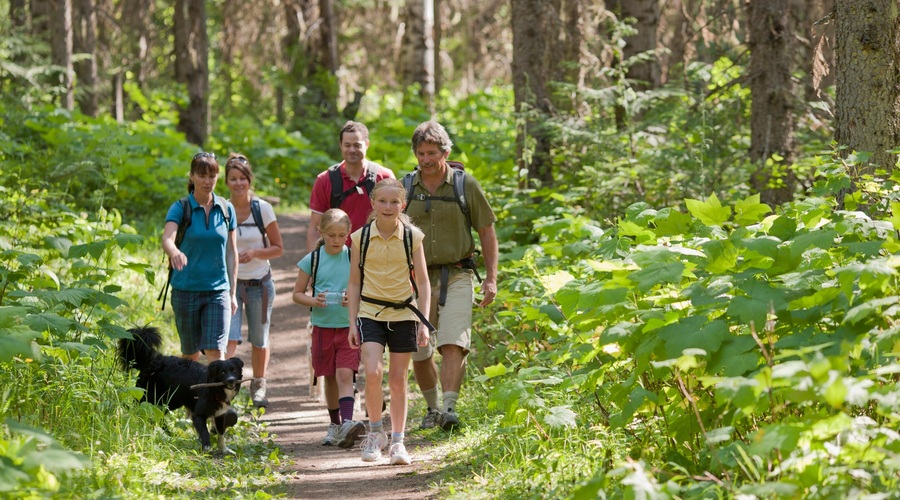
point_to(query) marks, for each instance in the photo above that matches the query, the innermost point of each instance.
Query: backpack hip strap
(407, 304)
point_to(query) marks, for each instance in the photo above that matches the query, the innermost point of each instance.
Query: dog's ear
(239, 362)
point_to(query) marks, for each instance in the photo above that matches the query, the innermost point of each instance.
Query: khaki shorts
(454, 320)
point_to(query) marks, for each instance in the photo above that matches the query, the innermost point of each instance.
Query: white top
(248, 238)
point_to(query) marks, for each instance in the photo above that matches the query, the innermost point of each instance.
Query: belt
(467, 263)
(244, 284)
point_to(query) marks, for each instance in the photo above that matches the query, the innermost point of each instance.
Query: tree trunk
(417, 55)
(17, 14)
(61, 48)
(816, 35)
(192, 68)
(533, 63)
(438, 38)
(84, 42)
(867, 107)
(40, 18)
(642, 75)
(771, 108)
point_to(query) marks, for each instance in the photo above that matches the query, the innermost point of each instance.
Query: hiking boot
(373, 445)
(331, 436)
(430, 421)
(349, 431)
(258, 393)
(399, 456)
(448, 420)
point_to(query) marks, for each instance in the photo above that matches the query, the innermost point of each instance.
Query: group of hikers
(389, 264)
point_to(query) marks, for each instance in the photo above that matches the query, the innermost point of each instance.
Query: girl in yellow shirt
(384, 311)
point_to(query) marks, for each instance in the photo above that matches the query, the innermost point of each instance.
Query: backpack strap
(407, 247)
(314, 269)
(186, 218)
(256, 212)
(338, 194)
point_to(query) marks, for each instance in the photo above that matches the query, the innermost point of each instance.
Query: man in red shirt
(357, 174)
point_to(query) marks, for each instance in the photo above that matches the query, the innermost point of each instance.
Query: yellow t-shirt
(386, 274)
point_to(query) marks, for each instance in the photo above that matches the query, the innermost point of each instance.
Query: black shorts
(398, 336)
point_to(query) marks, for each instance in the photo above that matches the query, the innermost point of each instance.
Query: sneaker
(399, 456)
(258, 392)
(350, 430)
(448, 420)
(430, 421)
(331, 436)
(373, 445)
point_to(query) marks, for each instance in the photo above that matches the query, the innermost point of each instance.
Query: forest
(696, 215)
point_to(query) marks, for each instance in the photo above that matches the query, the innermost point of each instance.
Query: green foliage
(725, 348)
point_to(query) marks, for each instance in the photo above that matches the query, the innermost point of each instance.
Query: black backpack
(185, 223)
(407, 247)
(459, 191)
(256, 212)
(337, 183)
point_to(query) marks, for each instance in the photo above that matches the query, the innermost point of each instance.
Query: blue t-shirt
(204, 246)
(332, 276)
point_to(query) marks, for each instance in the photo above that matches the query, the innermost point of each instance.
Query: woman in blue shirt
(204, 275)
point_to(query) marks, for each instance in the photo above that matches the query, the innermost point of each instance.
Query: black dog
(167, 382)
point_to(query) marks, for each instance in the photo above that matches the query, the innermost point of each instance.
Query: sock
(431, 398)
(450, 400)
(346, 408)
(335, 415)
(376, 427)
(396, 437)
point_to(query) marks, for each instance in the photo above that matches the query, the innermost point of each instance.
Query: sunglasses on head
(205, 155)
(240, 158)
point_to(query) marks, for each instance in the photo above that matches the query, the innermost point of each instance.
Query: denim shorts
(257, 331)
(202, 319)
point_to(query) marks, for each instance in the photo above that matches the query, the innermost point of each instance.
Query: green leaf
(671, 222)
(711, 212)
(95, 249)
(692, 332)
(750, 211)
(560, 416)
(495, 370)
(780, 437)
(722, 256)
(895, 215)
(657, 274)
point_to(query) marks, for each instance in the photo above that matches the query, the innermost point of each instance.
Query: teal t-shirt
(332, 276)
(204, 247)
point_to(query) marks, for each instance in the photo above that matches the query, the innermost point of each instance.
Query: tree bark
(84, 43)
(772, 90)
(61, 48)
(192, 68)
(643, 75)
(417, 55)
(534, 55)
(867, 107)
(40, 18)
(17, 13)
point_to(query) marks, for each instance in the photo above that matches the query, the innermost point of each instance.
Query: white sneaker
(399, 456)
(350, 430)
(331, 437)
(373, 445)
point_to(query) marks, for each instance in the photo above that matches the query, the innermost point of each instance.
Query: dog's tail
(137, 351)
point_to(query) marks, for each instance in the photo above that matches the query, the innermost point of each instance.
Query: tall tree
(417, 55)
(61, 48)
(83, 43)
(772, 95)
(535, 25)
(192, 68)
(643, 71)
(867, 93)
(17, 13)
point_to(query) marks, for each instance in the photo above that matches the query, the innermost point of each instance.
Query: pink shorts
(330, 351)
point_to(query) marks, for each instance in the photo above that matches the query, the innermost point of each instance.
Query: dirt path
(299, 421)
